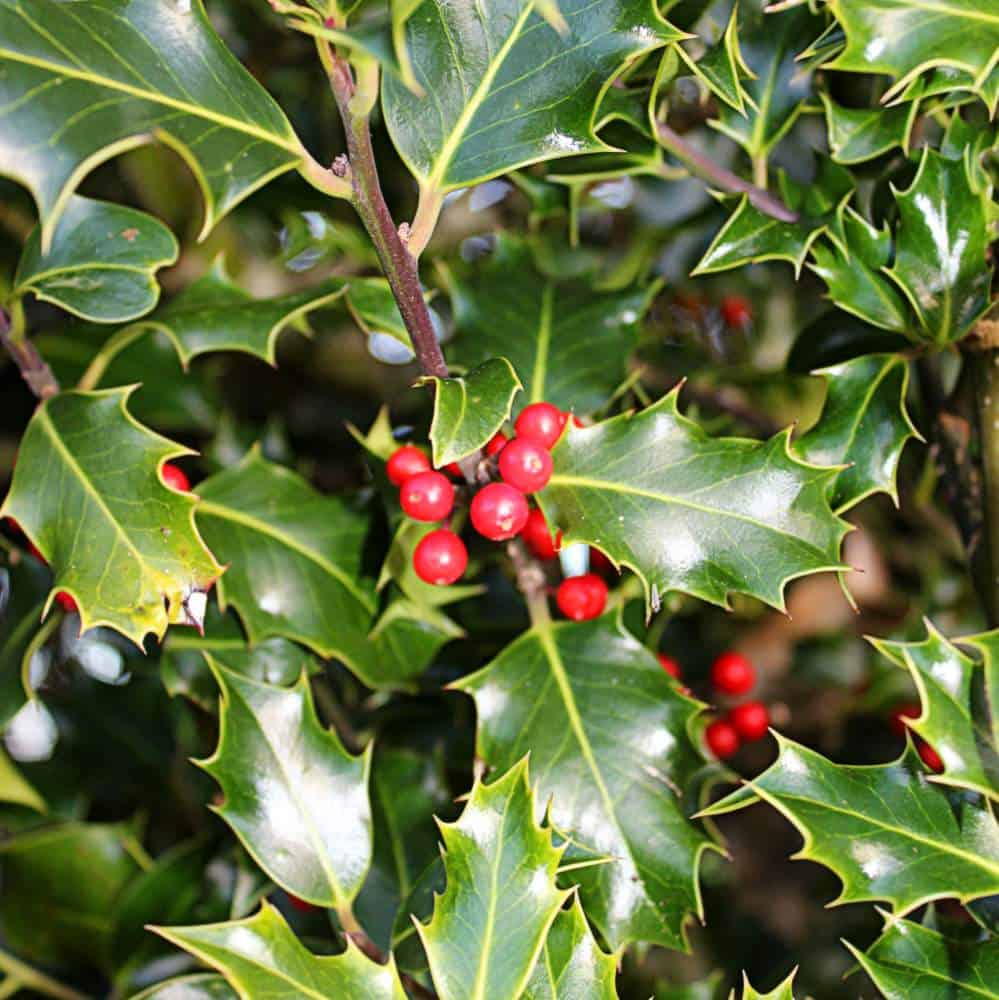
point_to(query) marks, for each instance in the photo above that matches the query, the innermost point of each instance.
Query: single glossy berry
(930, 757)
(907, 710)
(175, 477)
(495, 444)
(405, 462)
(538, 536)
(540, 422)
(736, 311)
(751, 720)
(671, 666)
(301, 905)
(427, 496)
(66, 602)
(499, 511)
(525, 465)
(732, 673)
(582, 597)
(721, 738)
(440, 558)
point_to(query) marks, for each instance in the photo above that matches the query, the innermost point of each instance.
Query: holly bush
(460, 459)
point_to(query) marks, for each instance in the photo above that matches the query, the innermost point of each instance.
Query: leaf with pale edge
(85, 81)
(782, 991)
(860, 134)
(102, 264)
(704, 516)
(864, 425)
(15, 788)
(261, 957)
(885, 830)
(295, 798)
(721, 67)
(591, 703)
(200, 986)
(490, 924)
(87, 492)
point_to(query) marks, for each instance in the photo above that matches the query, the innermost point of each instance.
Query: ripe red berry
(440, 558)
(427, 496)
(721, 738)
(540, 422)
(538, 536)
(454, 469)
(907, 710)
(930, 757)
(301, 905)
(671, 666)
(582, 597)
(405, 462)
(736, 311)
(525, 465)
(751, 720)
(499, 511)
(175, 477)
(495, 444)
(732, 673)
(66, 602)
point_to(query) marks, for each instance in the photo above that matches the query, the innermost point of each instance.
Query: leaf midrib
(902, 966)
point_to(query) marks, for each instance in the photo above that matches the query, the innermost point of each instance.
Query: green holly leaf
(690, 513)
(702, 989)
(722, 67)
(509, 89)
(201, 986)
(102, 264)
(941, 245)
(490, 924)
(15, 788)
(887, 832)
(261, 957)
(592, 704)
(571, 964)
(406, 638)
(913, 962)
(903, 40)
(295, 798)
(87, 492)
(783, 991)
(860, 134)
(79, 87)
(373, 306)
(546, 328)
(470, 409)
(864, 425)
(24, 589)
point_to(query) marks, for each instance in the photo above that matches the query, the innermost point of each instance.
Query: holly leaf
(903, 40)
(722, 68)
(102, 264)
(24, 588)
(591, 704)
(373, 306)
(201, 986)
(406, 638)
(702, 989)
(295, 798)
(87, 492)
(15, 788)
(941, 246)
(857, 135)
(470, 409)
(261, 957)
(509, 89)
(864, 425)
(490, 924)
(81, 86)
(743, 516)
(887, 832)
(571, 964)
(547, 329)
(783, 991)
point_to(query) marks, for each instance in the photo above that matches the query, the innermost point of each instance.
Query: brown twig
(32, 365)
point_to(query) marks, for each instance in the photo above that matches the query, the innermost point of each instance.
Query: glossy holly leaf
(860, 134)
(201, 986)
(490, 924)
(783, 991)
(470, 409)
(722, 67)
(704, 516)
(87, 492)
(940, 248)
(261, 957)
(102, 264)
(913, 962)
(568, 343)
(79, 87)
(864, 425)
(406, 638)
(509, 89)
(885, 830)
(571, 963)
(834, 337)
(24, 589)
(295, 798)
(374, 309)
(592, 705)
(903, 40)
(15, 788)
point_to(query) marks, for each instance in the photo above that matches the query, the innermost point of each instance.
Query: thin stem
(985, 367)
(701, 165)
(33, 368)
(111, 349)
(428, 210)
(353, 930)
(31, 978)
(531, 581)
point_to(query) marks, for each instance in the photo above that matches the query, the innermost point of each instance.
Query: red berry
(405, 462)
(721, 738)
(599, 563)
(930, 757)
(454, 469)
(907, 710)
(175, 477)
(751, 720)
(736, 311)
(301, 905)
(440, 558)
(732, 673)
(66, 602)
(525, 465)
(671, 666)
(539, 537)
(582, 597)
(499, 511)
(495, 444)
(427, 496)
(540, 422)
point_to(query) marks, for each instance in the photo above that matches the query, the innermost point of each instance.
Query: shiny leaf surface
(202, 986)
(722, 67)
(860, 134)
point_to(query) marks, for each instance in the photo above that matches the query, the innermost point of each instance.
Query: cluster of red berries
(733, 675)
(912, 710)
(172, 475)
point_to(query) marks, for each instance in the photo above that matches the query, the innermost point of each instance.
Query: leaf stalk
(35, 372)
